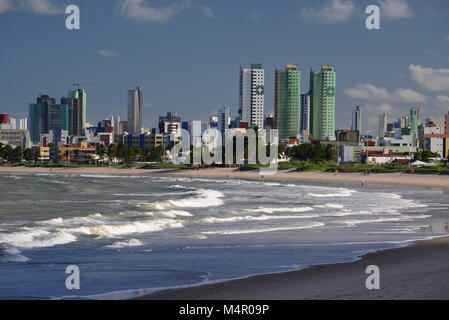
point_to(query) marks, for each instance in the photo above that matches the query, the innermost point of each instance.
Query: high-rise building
(223, 121)
(46, 115)
(135, 110)
(357, 120)
(269, 122)
(287, 104)
(252, 82)
(415, 120)
(76, 101)
(383, 123)
(305, 112)
(322, 102)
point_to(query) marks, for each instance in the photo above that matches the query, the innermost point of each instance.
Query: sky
(186, 54)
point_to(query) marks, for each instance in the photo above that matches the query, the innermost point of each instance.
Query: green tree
(101, 149)
(28, 154)
(425, 155)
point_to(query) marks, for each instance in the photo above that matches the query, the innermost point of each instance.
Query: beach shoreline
(386, 179)
(417, 271)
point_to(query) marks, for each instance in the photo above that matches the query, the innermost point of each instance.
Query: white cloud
(208, 12)
(332, 12)
(35, 6)
(107, 53)
(373, 93)
(429, 78)
(395, 9)
(447, 38)
(140, 10)
(443, 99)
(42, 7)
(6, 5)
(371, 113)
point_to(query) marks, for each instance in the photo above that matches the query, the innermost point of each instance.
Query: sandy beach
(390, 179)
(420, 271)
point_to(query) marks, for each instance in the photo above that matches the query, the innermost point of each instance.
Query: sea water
(131, 235)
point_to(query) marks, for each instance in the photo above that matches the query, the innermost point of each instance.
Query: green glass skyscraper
(76, 101)
(322, 102)
(415, 120)
(46, 115)
(287, 102)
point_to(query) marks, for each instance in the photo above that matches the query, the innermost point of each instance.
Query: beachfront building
(359, 154)
(251, 104)
(287, 101)
(322, 103)
(380, 157)
(46, 115)
(74, 153)
(135, 110)
(438, 143)
(43, 153)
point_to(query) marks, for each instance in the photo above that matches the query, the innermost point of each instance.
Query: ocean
(132, 235)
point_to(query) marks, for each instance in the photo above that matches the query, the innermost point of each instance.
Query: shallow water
(128, 233)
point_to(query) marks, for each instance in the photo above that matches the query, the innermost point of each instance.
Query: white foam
(204, 198)
(343, 193)
(125, 243)
(253, 218)
(90, 219)
(384, 219)
(13, 255)
(174, 213)
(261, 230)
(36, 238)
(277, 209)
(129, 227)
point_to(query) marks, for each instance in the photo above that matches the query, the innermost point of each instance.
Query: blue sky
(186, 53)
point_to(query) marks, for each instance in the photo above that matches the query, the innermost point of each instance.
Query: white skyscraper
(23, 124)
(135, 110)
(382, 125)
(195, 130)
(252, 82)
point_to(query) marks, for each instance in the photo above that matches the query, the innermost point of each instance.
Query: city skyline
(116, 61)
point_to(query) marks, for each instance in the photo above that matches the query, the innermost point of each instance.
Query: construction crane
(78, 84)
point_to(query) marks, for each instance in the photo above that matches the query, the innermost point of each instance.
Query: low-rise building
(15, 138)
(75, 153)
(385, 157)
